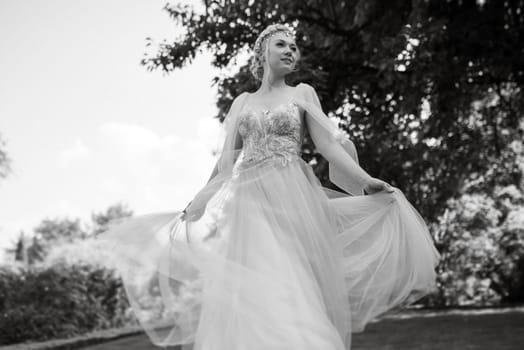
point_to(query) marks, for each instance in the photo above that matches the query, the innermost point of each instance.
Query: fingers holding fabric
(375, 185)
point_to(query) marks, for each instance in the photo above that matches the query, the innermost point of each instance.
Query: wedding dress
(266, 257)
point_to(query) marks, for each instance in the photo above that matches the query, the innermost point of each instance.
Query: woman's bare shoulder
(305, 87)
(306, 91)
(240, 98)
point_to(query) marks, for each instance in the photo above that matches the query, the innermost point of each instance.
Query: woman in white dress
(265, 257)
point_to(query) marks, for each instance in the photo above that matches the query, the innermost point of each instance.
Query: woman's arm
(235, 106)
(334, 153)
(214, 172)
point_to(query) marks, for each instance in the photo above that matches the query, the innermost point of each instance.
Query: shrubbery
(63, 283)
(481, 237)
(59, 301)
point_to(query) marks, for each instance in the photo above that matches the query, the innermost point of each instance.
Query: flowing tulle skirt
(276, 261)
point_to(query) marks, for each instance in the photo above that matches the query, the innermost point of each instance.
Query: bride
(265, 257)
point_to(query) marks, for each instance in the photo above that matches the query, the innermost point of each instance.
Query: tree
(58, 229)
(5, 161)
(402, 76)
(20, 250)
(102, 220)
(51, 232)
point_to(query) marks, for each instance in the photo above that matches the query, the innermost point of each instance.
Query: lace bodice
(274, 134)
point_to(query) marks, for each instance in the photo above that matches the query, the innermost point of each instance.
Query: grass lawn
(499, 331)
(492, 331)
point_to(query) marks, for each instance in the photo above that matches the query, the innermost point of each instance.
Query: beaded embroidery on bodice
(272, 134)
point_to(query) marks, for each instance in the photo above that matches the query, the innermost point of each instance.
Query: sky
(86, 125)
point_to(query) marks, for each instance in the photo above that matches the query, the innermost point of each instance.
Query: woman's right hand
(194, 215)
(375, 185)
(184, 212)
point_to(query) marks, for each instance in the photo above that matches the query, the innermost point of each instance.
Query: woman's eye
(293, 48)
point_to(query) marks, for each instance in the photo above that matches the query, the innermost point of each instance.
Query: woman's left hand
(376, 185)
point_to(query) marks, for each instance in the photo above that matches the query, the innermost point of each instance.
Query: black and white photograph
(262, 175)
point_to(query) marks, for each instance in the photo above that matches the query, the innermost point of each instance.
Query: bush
(59, 301)
(481, 238)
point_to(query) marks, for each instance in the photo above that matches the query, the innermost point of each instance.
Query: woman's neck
(272, 83)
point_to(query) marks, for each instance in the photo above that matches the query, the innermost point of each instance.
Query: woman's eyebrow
(289, 42)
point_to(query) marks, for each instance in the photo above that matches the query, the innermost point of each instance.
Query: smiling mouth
(288, 60)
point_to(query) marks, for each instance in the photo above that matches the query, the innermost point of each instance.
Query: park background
(103, 107)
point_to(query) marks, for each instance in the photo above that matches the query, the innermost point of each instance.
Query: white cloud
(133, 139)
(139, 166)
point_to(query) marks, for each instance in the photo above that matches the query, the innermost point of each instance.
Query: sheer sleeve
(233, 141)
(232, 144)
(333, 144)
(231, 148)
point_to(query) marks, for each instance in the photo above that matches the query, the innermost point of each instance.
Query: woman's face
(283, 53)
